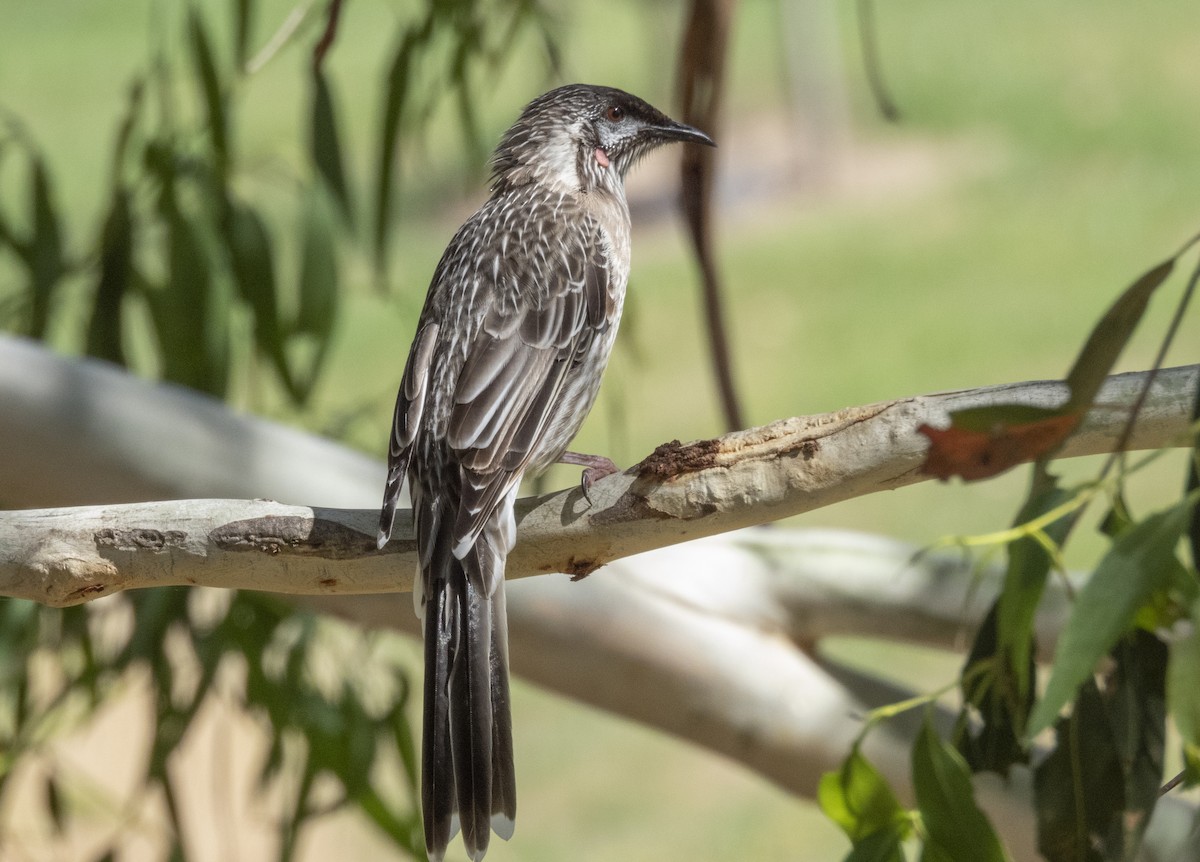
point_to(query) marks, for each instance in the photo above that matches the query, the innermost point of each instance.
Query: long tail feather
(471, 720)
(504, 776)
(438, 803)
(468, 778)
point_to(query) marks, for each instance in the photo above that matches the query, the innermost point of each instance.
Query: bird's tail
(467, 776)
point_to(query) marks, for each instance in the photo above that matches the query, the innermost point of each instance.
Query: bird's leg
(596, 467)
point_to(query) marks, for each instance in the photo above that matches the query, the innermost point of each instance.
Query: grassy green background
(1047, 155)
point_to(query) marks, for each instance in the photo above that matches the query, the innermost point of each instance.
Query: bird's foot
(596, 468)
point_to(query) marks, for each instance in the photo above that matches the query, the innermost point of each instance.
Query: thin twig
(280, 37)
(1172, 784)
(867, 34)
(326, 41)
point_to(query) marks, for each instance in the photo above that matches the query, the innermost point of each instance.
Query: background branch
(714, 642)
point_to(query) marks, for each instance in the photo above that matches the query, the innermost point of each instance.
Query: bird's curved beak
(673, 131)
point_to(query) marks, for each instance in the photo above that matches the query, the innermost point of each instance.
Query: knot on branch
(68, 578)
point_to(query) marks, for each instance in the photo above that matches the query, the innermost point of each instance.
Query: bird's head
(582, 136)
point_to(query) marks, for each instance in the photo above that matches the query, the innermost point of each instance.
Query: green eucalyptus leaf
(994, 693)
(1024, 582)
(883, 846)
(210, 87)
(402, 737)
(1110, 336)
(191, 312)
(104, 334)
(1079, 790)
(1192, 483)
(402, 827)
(326, 148)
(243, 25)
(858, 799)
(54, 803)
(396, 101)
(250, 255)
(312, 331)
(955, 828)
(45, 256)
(358, 739)
(1183, 680)
(1140, 561)
(252, 262)
(318, 271)
(1135, 698)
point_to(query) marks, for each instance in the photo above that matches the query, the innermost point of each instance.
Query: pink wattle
(602, 157)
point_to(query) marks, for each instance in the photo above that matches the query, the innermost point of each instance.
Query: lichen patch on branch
(300, 536)
(139, 539)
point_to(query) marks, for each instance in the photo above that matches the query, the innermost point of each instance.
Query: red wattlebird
(515, 334)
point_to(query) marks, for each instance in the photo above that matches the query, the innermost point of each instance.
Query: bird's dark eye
(615, 114)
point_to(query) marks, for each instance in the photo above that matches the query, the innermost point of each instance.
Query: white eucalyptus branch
(679, 493)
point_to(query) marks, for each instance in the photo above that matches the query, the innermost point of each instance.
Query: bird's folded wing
(543, 319)
(410, 402)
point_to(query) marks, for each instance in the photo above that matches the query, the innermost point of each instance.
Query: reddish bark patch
(979, 454)
(674, 458)
(580, 567)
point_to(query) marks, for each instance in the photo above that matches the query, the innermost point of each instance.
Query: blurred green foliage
(187, 643)
(179, 248)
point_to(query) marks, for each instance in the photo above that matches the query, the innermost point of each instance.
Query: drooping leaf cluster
(181, 245)
(326, 703)
(1127, 659)
(178, 245)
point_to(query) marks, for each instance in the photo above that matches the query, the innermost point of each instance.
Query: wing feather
(485, 403)
(410, 405)
(517, 366)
